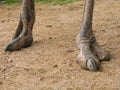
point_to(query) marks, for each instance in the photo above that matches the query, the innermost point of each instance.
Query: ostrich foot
(87, 59)
(91, 53)
(18, 43)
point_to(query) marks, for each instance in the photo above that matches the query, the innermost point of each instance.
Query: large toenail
(91, 65)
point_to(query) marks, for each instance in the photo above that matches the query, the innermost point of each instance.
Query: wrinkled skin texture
(90, 54)
(23, 35)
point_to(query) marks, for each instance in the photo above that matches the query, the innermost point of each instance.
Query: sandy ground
(51, 62)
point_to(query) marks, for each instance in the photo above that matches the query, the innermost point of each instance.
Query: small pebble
(55, 66)
(48, 25)
(1, 82)
(70, 50)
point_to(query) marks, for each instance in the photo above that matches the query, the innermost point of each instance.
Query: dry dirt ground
(51, 62)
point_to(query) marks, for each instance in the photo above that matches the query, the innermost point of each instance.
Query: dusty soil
(51, 62)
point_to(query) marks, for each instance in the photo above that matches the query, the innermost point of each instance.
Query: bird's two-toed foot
(90, 54)
(18, 43)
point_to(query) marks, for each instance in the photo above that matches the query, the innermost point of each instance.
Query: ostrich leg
(90, 53)
(23, 35)
(18, 30)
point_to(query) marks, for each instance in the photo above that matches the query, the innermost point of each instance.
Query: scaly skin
(23, 35)
(90, 54)
(87, 59)
(18, 43)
